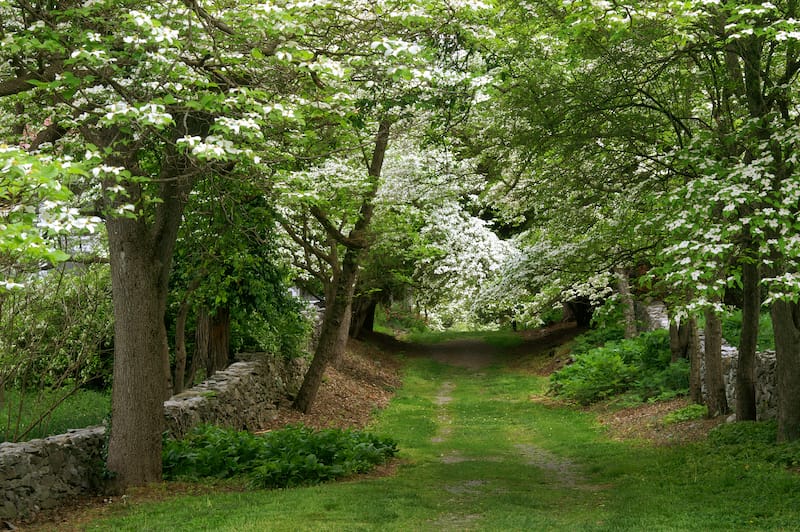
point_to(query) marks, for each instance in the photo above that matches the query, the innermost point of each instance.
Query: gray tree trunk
(695, 356)
(716, 400)
(746, 366)
(628, 305)
(336, 321)
(786, 324)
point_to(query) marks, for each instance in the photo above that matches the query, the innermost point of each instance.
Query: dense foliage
(293, 456)
(640, 366)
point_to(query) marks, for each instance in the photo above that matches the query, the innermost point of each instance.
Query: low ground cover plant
(294, 456)
(687, 413)
(640, 367)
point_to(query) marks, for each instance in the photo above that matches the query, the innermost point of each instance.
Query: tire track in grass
(520, 469)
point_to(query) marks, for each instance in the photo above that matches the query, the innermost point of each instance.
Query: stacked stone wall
(243, 396)
(41, 474)
(654, 316)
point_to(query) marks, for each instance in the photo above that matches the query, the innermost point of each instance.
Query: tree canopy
(494, 157)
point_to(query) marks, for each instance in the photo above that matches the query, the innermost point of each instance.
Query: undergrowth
(687, 413)
(294, 456)
(639, 367)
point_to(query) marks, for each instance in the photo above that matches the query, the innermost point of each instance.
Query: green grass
(479, 454)
(499, 339)
(82, 409)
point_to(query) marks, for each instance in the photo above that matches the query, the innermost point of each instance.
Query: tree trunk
(139, 275)
(363, 316)
(332, 337)
(219, 339)
(179, 375)
(716, 401)
(336, 321)
(746, 366)
(786, 324)
(180, 378)
(628, 309)
(679, 340)
(202, 336)
(695, 358)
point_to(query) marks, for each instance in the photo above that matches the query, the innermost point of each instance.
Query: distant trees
(664, 135)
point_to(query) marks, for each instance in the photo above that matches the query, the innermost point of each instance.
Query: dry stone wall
(655, 317)
(41, 474)
(244, 396)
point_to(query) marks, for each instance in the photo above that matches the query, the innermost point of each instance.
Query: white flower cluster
(148, 114)
(57, 218)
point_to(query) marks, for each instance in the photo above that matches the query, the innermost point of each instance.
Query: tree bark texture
(679, 340)
(626, 297)
(746, 366)
(139, 274)
(716, 400)
(786, 324)
(219, 340)
(179, 374)
(332, 337)
(140, 251)
(695, 356)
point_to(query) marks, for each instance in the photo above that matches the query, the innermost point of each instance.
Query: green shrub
(640, 366)
(672, 381)
(595, 338)
(655, 352)
(732, 330)
(58, 330)
(593, 376)
(293, 456)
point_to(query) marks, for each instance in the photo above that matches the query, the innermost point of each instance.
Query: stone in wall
(766, 400)
(39, 474)
(244, 396)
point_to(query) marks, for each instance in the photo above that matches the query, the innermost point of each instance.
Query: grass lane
(479, 454)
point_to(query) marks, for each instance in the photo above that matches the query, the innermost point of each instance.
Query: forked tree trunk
(332, 337)
(180, 378)
(336, 321)
(716, 400)
(679, 340)
(786, 324)
(746, 365)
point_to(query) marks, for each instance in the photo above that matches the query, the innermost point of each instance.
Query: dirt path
(476, 354)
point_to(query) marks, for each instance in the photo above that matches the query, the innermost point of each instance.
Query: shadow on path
(476, 353)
